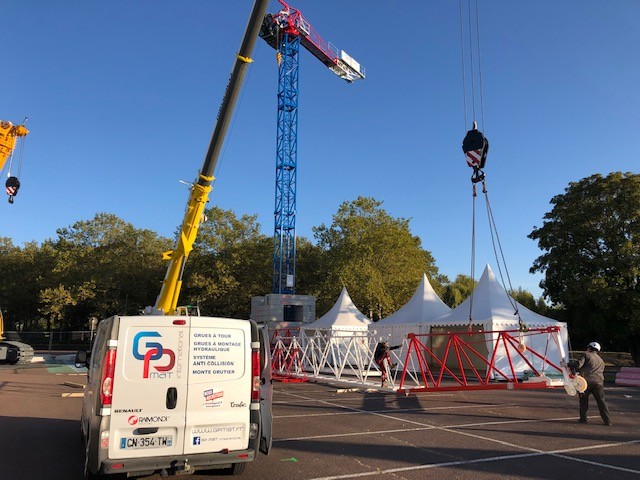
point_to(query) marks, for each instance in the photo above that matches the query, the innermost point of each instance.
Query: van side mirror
(81, 359)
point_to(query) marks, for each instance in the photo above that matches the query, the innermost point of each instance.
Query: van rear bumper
(201, 461)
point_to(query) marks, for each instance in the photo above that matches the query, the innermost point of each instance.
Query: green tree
(230, 263)
(25, 272)
(458, 291)
(121, 265)
(524, 297)
(591, 259)
(374, 255)
(56, 302)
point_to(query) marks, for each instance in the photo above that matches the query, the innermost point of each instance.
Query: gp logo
(153, 352)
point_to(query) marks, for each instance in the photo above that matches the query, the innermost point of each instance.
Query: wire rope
(463, 68)
(475, 63)
(473, 255)
(493, 229)
(20, 158)
(479, 66)
(10, 166)
(473, 92)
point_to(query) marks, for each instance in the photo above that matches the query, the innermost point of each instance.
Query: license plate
(158, 441)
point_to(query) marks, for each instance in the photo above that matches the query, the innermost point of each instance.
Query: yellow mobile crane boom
(9, 133)
(167, 300)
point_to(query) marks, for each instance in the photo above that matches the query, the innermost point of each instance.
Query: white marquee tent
(413, 317)
(344, 315)
(340, 336)
(494, 310)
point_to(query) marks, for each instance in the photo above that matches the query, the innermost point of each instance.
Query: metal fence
(55, 340)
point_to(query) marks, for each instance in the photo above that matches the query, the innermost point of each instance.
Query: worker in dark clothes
(383, 359)
(591, 367)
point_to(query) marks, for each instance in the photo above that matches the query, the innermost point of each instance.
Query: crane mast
(286, 31)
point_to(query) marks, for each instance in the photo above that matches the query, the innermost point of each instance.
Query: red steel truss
(443, 376)
(286, 361)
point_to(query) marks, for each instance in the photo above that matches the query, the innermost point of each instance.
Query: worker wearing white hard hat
(591, 367)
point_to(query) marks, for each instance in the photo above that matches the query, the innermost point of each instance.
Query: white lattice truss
(347, 357)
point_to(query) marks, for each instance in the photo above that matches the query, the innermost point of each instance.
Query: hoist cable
(473, 255)
(10, 166)
(474, 61)
(494, 232)
(473, 91)
(493, 228)
(479, 65)
(464, 77)
(20, 157)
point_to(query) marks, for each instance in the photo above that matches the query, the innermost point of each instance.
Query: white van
(176, 394)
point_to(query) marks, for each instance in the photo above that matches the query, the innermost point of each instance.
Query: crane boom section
(167, 300)
(292, 22)
(9, 133)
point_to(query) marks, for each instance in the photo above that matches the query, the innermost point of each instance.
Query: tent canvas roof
(492, 304)
(423, 307)
(343, 314)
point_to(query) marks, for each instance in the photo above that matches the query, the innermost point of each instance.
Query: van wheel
(238, 468)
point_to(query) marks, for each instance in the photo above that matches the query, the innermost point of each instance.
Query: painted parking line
(400, 410)
(380, 413)
(556, 453)
(426, 426)
(456, 429)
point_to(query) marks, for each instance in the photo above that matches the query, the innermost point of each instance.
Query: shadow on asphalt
(27, 453)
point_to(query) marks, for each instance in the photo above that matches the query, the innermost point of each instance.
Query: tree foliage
(591, 259)
(97, 267)
(372, 254)
(458, 291)
(105, 266)
(231, 262)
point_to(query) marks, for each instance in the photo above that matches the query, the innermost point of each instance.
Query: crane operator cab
(176, 394)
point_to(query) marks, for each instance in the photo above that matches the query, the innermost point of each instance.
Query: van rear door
(266, 390)
(219, 386)
(149, 387)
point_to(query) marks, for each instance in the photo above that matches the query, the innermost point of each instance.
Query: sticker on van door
(230, 436)
(158, 354)
(153, 351)
(213, 397)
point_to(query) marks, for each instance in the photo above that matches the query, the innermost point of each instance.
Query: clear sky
(122, 97)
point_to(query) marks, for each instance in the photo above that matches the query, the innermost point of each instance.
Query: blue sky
(122, 98)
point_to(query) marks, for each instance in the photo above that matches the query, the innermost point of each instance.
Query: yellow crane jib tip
(21, 131)
(245, 59)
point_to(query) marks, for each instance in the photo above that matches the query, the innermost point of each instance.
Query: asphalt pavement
(324, 431)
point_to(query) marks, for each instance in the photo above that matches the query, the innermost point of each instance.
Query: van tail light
(106, 387)
(255, 376)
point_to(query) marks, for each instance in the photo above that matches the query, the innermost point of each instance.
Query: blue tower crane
(285, 31)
